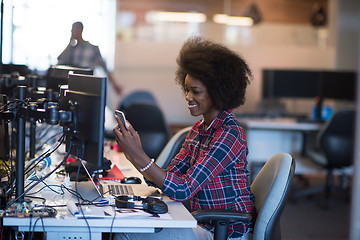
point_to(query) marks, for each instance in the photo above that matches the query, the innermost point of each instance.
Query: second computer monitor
(58, 75)
(86, 96)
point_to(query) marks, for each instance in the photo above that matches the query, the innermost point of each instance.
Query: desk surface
(290, 124)
(65, 225)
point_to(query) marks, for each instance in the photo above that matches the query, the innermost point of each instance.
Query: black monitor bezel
(86, 130)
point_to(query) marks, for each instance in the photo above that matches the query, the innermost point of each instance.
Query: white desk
(284, 124)
(66, 226)
(266, 137)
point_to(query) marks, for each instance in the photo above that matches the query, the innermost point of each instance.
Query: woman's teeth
(192, 105)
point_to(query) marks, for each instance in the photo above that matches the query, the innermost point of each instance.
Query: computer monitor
(336, 85)
(310, 84)
(58, 75)
(291, 84)
(20, 69)
(4, 135)
(86, 96)
(339, 85)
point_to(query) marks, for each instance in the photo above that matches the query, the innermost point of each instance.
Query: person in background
(81, 53)
(211, 168)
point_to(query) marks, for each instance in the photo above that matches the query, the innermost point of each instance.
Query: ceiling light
(155, 16)
(233, 21)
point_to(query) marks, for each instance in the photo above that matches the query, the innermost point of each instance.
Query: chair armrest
(231, 216)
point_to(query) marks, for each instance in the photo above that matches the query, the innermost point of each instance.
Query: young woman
(211, 168)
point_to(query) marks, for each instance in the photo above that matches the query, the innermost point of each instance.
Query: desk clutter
(27, 209)
(55, 156)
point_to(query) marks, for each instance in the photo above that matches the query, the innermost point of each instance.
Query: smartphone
(122, 117)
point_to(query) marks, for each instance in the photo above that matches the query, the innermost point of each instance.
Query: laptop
(115, 188)
(106, 188)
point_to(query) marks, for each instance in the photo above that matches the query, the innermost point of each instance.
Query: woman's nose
(188, 96)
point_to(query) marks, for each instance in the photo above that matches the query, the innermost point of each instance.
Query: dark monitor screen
(87, 97)
(4, 139)
(290, 84)
(4, 134)
(21, 69)
(339, 85)
(58, 75)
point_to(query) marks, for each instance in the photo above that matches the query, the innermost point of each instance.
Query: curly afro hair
(224, 73)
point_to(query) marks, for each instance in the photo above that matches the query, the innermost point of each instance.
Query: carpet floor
(309, 218)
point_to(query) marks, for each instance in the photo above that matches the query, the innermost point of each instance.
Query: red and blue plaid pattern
(211, 169)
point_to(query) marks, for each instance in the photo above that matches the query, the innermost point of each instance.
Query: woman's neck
(209, 118)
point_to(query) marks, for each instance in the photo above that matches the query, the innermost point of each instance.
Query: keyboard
(118, 189)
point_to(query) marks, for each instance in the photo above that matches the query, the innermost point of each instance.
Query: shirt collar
(217, 122)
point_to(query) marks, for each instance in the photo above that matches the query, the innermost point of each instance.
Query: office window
(37, 31)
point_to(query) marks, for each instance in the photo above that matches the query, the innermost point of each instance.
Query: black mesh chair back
(336, 140)
(148, 120)
(139, 96)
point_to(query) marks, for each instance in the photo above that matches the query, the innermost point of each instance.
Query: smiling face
(199, 102)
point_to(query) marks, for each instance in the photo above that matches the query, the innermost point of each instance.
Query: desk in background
(266, 137)
(66, 226)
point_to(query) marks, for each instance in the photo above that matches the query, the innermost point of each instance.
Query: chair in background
(140, 96)
(172, 148)
(270, 188)
(148, 120)
(334, 151)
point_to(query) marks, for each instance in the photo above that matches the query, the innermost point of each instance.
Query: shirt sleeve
(221, 154)
(66, 59)
(98, 59)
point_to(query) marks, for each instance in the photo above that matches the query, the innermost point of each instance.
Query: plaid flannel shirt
(84, 55)
(211, 169)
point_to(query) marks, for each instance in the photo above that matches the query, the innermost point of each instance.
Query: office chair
(270, 188)
(139, 96)
(335, 144)
(148, 120)
(172, 148)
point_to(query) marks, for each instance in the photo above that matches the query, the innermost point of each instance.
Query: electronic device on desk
(9, 84)
(115, 188)
(86, 96)
(131, 180)
(309, 84)
(4, 156)
(19, 69)
(149, 204)
(26, 209)
(78, 173)
(59, 74)
(4, 135)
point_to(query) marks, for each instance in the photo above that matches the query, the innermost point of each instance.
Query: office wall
(150, 64)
